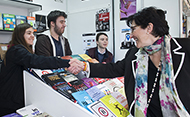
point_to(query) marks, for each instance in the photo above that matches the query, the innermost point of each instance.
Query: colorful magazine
(83, 98)
(20, 19)
(32, 22)
(99, 109)
(114, 106)
(9, 21)
(89, 82)
(95, 93)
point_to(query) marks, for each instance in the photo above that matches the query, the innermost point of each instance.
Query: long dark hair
(18, 37)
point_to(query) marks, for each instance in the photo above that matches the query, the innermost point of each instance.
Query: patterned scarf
(171, 105)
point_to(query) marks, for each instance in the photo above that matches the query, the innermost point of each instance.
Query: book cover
(85, 56)
(93, 61)
(40, 23)
(122, 91)
(114, 106)
(12, 115)
(20, 19)
(38, 73)
(77, 57)
(44, 114)
(78, 85)
(65, 90)
(68, 77)
(121, 99)
(29, 111)
(99, 109)
(8, 21)
(100, 80)
(118, 82)
(95, 93)
(32, 21)
(121, 79)
(1, 21)
(112, 86)
(104, 89)
(53, 79)
(89, 82)
(83, 98)
(58, 70)
(66, 57)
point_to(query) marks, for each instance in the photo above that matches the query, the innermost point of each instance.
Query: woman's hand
(75, 66)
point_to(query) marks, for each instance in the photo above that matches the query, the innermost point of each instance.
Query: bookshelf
(30, 6)
(16, 7)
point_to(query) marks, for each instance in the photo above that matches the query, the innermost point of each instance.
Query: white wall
(47, 7)
(5, 37)
(173, 17)
(81, 19)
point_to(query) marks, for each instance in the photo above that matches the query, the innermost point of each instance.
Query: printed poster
(102, 20)
(127, 8)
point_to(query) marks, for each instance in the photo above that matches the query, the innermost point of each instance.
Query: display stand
(48, 100)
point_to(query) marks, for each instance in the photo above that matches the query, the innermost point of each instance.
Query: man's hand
(75, 66)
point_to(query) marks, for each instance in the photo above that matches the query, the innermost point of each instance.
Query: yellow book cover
(85, 56)
(114, 106)
(122, 91)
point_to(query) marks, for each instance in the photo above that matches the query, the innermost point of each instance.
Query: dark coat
(18, 58)
(93, 53)
(127, 68)
(44, 47)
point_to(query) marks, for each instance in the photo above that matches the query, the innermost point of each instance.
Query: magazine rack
(50, 101)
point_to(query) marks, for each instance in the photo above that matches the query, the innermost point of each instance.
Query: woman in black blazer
(156, 71)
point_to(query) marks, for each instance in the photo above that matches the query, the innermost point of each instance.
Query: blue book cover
(77, 57)
(58, 70)
(95, 93)
(12, 115)
(20, 19)
(83, 98)
(9, 21)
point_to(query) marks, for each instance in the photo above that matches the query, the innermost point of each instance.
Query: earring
(147, 32)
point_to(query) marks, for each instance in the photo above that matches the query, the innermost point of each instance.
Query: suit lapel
(133, 63)
(178, 57)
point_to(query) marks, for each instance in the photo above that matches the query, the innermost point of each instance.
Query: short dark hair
(53, 15)
(151, 15)
(99, 34)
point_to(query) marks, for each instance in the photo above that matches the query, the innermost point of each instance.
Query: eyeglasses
(133, 28)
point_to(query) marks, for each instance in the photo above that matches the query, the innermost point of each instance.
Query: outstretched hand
(75, 66)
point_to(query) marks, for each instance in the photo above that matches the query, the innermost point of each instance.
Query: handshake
(76, 66)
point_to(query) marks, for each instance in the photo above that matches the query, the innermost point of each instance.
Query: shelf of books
(22, 4)
(60, 93)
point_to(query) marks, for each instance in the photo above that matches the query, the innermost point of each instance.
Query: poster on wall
(126, 41)
(89, 41)
(184, 24)
(127, 8)
(102, 20)
(40, 23)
